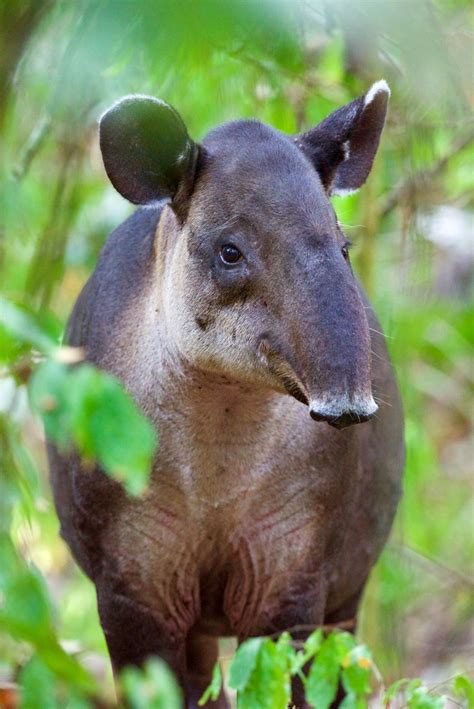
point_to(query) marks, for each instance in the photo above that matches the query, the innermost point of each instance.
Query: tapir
(227, 306)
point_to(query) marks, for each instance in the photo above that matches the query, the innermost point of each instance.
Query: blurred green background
(288, 64)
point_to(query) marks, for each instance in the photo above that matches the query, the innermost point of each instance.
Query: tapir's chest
(228, 550)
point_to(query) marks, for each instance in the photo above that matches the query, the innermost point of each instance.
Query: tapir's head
(256, 279)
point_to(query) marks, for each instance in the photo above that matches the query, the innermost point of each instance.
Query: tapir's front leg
(134, 633)
(202, 653)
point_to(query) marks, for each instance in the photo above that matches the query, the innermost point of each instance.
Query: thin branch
(32, 148)
(435, 564)
(343, 625)
(407, 189)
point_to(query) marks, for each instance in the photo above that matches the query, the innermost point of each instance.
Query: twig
(413, 184)
(32, 147)
(327, 628)
(435, 564)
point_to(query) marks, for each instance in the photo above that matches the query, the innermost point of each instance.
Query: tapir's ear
(146, 149)
(342, 148)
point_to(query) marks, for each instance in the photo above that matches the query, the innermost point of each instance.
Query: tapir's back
(120, 275)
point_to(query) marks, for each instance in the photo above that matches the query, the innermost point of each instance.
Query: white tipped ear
(342, 148)
(379, 87)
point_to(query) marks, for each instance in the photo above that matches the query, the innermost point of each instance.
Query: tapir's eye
(345, 250)
(230, 254)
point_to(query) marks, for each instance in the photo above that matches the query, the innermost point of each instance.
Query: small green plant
(262, 671)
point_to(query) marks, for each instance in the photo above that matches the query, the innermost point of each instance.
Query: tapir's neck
(213, 406)
(216, 436)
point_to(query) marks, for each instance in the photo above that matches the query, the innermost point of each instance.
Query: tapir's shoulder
(118, 277)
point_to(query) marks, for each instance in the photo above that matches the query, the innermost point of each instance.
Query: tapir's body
(257, 517)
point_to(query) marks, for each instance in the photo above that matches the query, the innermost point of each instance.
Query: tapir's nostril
(343, 418)
(346, 419)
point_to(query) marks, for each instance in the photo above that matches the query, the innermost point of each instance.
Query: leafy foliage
(415, 694)
(262, 671)
(90, 409)
(26, 614)
(288, 64)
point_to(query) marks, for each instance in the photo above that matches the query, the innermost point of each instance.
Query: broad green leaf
(153, 687)
(269, 685)
(24, 326)
(90, 409)
(464, 687)
(244, 662)
(77, 701)
(215, 687)
(323, 678)
(25, 608)
(49, 390)
(37, 684)
(108, 426)
(313, 644)
(344, 643)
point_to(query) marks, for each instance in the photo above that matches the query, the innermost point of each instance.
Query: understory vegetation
(288, 64)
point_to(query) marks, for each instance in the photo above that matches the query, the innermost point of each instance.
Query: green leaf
(78, 701)
(323, 678)
(312, 645)
(351, 701)
(357, 669)
(37, 686)
(419, 698)
(24, 609)
(108, 426)
(464, 687)
(397, 687)
(215, 687)
(269, 685)
(90, 409)
(153, 687)
(344, 643)
(49, 392)
(24, 326)
(244, 663)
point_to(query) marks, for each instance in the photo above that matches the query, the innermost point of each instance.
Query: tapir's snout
(328, 343)
(358, 411)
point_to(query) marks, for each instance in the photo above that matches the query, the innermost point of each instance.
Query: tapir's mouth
(338, 411)
(279, 367)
